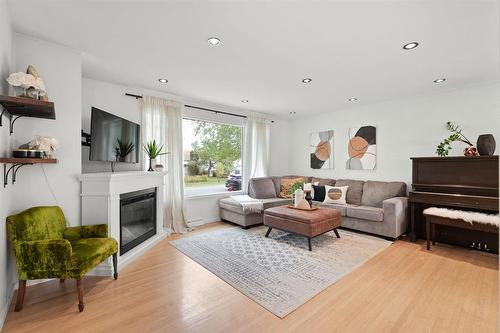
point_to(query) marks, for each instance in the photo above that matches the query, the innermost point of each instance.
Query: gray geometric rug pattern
(279, 272)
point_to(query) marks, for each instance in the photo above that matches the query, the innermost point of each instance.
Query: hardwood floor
(403, 289)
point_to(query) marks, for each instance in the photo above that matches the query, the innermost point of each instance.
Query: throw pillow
(263, 188)
(335, 194)
(289, 185)
(319, 193)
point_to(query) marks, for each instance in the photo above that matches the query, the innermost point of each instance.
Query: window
(212, 157)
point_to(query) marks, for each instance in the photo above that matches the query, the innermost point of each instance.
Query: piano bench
(458, 219)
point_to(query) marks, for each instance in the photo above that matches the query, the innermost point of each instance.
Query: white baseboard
(5, 308)
(202, 221)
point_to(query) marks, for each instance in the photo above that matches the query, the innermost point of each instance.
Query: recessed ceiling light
(163, 80)
(439, 80)
(410, 46)
(292, 113)
(354, 99)
(213, 41)
(244, 101)
(307, 80)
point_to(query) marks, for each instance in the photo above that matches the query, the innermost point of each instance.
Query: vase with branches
(153, 150)
(444, 147)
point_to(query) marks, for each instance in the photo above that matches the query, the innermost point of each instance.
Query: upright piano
(458, 182)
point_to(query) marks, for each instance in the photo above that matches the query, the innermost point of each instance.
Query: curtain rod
(199, 108)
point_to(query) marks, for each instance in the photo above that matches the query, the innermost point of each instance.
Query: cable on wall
(49, 186)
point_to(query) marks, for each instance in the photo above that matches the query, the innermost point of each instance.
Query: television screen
(113, 139)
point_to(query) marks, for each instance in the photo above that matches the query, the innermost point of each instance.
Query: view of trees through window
(212, 157)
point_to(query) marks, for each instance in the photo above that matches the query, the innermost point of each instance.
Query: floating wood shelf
(17, 163)
(18, 107)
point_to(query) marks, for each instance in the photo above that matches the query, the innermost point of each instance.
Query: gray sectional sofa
(372, 206)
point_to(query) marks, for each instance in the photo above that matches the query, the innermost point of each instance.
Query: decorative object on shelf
(298, 195)
(122, 149)
(362, 148)
(443, 149)
(486, 144)
(153, 150)
(33, 71)
(45, 144)
(322, 150)
(471, 151)
(27, 153)
(27, 85)
(309, 198)
(159, 167)
(303, 204)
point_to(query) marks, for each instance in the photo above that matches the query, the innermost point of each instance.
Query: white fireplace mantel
(100, 194)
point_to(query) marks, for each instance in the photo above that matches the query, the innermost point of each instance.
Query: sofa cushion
(365, 213)
(263, 188)
(323, 181)
(273, 202)
(342, 208)
(355, 190)
(375, 192)
(235, 207)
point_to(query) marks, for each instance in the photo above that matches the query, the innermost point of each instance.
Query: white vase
(152, 164)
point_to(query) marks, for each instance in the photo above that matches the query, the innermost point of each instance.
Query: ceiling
(348, 48)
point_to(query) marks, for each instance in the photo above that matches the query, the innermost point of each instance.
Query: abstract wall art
(362, 148)
(322, 150)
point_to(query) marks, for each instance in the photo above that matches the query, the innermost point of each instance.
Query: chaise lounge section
(374, 207)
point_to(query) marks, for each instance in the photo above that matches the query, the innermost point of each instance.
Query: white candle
(307, 187)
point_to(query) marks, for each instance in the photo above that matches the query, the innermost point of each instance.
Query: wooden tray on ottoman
(306, 209)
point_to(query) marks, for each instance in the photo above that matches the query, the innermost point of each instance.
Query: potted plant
(456, 135)
(153, 150)
(122, 149)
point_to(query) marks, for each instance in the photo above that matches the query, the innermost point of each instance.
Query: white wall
(60, 68)
(7, 271)
(110, 97)
(405, 128)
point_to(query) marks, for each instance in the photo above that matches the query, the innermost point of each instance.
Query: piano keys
(457, 182)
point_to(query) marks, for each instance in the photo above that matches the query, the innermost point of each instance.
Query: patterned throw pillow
(335, 194)
(289, 185)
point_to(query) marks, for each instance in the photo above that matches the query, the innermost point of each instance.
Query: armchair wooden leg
(115, 265)
(20, 295)
(79, 286)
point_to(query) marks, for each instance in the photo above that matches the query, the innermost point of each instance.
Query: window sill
(215, 194)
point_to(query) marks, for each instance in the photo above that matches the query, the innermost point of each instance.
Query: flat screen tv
(113, 139)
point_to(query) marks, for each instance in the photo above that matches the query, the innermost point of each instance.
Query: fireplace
(137, 218)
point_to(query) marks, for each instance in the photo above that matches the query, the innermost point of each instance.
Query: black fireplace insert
(137, 218)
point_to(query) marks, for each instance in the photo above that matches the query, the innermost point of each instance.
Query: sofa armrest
(395, 215)
(42, 255)
(86, 231)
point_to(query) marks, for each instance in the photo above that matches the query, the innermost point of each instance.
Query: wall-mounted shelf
(17, 163)
(18, 107)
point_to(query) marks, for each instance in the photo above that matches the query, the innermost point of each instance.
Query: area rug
(279, 272)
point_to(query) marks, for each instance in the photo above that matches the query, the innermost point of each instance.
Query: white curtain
(162, 121)
(256, 149)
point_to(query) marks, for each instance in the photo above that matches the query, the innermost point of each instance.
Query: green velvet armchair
(45, 248)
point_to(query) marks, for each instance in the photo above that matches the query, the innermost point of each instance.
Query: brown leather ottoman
(306, 223)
